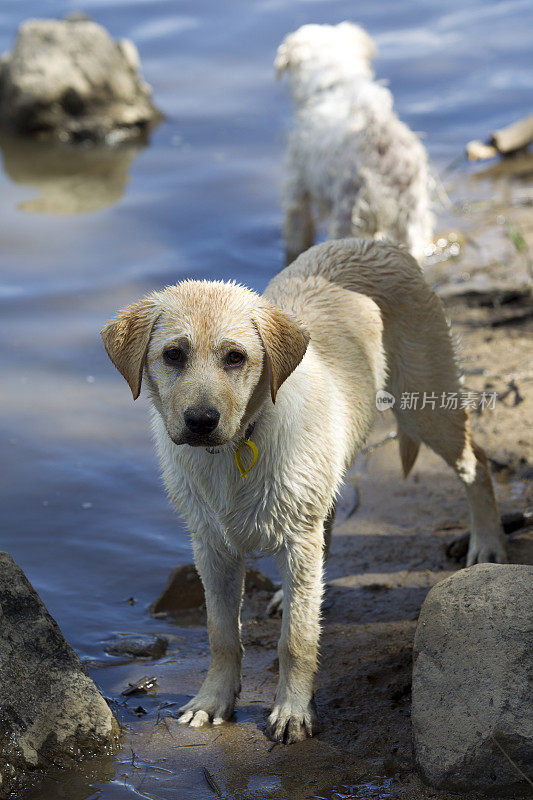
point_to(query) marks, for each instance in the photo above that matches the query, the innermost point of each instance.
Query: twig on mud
(196, 744)
(142, 793)
(211, 782)
(137, 790)
(371, 447)
(272, 746)
(163, 720)
(511, 761)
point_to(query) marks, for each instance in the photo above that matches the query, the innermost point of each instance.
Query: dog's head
(321, 56)
(210, 352)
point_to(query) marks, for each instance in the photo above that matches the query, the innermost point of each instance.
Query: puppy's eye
(174, 355)
(234, 358)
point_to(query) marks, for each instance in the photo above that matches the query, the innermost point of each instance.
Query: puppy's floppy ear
(126, 339)
(285, 341)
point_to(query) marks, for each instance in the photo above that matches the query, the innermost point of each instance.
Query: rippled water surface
(83, 233)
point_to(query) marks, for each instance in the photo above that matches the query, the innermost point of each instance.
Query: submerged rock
(51, 713)
(135, 647)
(69, 80)
(184, 589)
(472, 709)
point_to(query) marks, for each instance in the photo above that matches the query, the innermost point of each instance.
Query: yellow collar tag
(238, 459)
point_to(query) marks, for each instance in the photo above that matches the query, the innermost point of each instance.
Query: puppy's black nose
(201, 420)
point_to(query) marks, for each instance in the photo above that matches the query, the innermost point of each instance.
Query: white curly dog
(349, 159)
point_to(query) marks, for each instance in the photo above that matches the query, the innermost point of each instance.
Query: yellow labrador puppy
(260, 404)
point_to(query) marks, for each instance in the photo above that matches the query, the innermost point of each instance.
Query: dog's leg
(275, 606)
(223, 578)
(294, 716)
(298, 229)
(448, 434)
(487, 539)
(298, 225)
(328, 529)
(353, 212)
(341, 225)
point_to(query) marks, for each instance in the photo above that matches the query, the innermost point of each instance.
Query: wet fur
(349, 158)
(346, 319)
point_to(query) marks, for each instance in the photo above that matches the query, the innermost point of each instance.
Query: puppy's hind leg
(328, 529)
(487, 539)
(447, 432)
(222, 575)
(294, 716)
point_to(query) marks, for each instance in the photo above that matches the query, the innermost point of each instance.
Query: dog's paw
(275, 607)
(290, 722)
(215, 707)
(483, 550)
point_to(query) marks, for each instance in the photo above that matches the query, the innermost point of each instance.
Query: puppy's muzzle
(201, 421)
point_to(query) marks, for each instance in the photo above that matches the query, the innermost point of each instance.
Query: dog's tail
(408, 451)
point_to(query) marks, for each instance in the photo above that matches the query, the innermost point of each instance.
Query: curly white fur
(349, 159)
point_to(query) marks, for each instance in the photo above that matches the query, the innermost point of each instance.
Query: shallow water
(83, 509)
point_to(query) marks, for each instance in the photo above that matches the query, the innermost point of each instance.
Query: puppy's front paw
(482, 550)
(208, 706)
(290, 722)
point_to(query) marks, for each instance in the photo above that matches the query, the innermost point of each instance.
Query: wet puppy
(294, 372)
(349, 158)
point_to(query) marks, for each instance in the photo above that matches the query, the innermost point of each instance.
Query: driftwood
(503, 141)
(513, 137)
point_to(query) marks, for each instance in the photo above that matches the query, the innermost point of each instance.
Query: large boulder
(472, 708)
(51, 713)
(69, 80)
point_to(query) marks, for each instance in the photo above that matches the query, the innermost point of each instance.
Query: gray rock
(184, 589)
(51, 713)
(135, 647)
(472, 701)
(68, 79)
